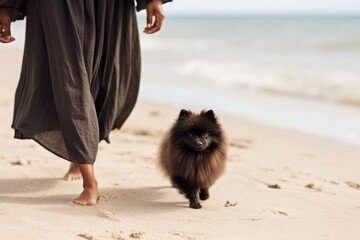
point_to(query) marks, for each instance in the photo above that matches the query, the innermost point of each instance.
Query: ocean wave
(326, 84)
(340, 46)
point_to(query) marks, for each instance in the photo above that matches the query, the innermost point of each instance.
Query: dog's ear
(209, 115)
(184, 113)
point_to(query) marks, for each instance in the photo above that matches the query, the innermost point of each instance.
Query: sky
(249, 7)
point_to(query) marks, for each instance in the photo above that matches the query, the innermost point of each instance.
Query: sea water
(295, 72)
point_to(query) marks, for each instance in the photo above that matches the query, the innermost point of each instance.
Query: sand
(278, 184)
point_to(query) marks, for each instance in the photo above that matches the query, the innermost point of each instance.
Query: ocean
(294, 72)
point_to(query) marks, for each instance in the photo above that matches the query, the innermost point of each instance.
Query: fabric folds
(80, 74)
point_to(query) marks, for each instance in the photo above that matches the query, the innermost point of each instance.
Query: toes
(85, 203)
(78, 202)
(71, 177)
(67, 178)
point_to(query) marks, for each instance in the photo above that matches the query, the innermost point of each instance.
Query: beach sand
(278, 184)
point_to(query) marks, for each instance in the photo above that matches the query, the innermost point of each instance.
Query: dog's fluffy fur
(193, 154)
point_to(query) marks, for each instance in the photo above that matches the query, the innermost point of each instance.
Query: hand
(5, 21)
(154, 9)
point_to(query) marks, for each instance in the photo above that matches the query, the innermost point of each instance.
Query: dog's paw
(195, 205)
(204, 195)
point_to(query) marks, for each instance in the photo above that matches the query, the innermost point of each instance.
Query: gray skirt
(80, 74)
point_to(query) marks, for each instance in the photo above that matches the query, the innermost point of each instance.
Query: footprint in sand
(240, 143)
(154, 114)
(353, 185)
(190, 236)
(87, 236)
(123, 236)
(136, 235)
(267, 169)
(143, 132)
(280, 213)
(274, 186)
(107, 214)
(252, 219)
(313, 187)
(230, 204)
(119, 236)
(141, 136)
(269, 185)
(115, 236)
(333, 182)
(20, 163)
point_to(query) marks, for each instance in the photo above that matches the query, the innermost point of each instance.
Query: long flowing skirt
(80, 74)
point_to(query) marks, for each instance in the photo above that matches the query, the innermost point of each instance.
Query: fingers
(149, 19)
(5, 33)
(156, 26)
(152, 12)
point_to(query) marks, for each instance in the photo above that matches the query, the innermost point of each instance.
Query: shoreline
(309, 116)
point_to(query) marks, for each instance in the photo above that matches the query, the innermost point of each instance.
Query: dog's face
(197, 132)
(198, 141)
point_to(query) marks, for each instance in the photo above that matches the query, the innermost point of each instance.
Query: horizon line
(262, 15)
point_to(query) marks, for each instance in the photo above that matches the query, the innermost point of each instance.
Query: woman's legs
(90, 194)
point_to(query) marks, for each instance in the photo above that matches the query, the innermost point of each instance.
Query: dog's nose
(199, 143)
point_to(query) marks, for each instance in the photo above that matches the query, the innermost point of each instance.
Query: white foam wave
(329, 84)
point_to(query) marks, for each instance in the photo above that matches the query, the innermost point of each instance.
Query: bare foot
(73, 173)
(88, 197)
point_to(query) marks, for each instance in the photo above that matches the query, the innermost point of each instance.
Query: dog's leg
(204, 194)
(192, 195)
(186, 188)
(179, 183)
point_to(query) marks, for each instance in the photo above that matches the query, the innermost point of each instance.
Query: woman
(80, 75)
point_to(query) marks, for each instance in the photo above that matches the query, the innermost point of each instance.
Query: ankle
(74, 166)
(92, 184)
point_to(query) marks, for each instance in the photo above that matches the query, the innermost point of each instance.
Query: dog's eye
(205, 135)
(190, 135)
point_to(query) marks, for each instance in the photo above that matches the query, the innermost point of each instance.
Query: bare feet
(88, 197)
(73, 173)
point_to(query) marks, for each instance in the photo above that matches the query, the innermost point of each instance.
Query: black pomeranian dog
(193, 154)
